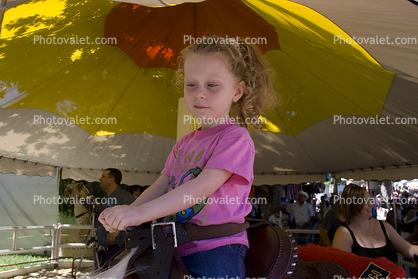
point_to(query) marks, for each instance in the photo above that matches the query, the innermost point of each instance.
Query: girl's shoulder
(235, 129)
(228, 131)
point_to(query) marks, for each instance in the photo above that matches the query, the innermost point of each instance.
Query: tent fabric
(284, 179)
(20, 195)
(70, 146)
(377, 19)
(19, 167)
(392, 173)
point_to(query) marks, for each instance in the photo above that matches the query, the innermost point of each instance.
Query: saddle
(272, 254)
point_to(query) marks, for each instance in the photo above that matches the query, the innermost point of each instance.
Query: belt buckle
(173, 227)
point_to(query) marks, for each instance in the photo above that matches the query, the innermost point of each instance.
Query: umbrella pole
(2, 10)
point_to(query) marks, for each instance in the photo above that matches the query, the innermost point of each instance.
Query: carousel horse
(151, 253)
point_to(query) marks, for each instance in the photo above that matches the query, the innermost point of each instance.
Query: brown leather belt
(183, 233)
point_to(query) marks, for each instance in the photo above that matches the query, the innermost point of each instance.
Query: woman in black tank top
(387, 251)
(363, 235)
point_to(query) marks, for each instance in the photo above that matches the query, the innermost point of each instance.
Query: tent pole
(334, 183)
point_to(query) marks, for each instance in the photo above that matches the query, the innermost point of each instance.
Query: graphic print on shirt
(187, 214)
(172, 182)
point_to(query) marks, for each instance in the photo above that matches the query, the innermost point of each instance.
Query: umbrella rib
(39, 84)
(126, 89)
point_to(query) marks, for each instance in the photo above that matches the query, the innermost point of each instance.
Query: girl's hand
(119, 217)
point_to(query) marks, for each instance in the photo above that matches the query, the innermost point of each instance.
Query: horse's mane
(117, 271)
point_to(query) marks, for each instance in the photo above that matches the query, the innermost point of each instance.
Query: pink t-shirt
(227, 146)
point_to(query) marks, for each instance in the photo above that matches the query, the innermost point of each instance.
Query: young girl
(213, 163)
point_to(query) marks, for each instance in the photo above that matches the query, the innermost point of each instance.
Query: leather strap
(186, 233)
(163, 255)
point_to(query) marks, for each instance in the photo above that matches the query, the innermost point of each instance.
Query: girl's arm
(342, 239)
(183, 197)
(157, 189)
(400, 244)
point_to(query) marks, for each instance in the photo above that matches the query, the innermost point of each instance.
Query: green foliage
(20, 258)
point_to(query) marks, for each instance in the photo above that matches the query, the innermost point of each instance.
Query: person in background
(409, 231)
(409, 227)
(136, 191)
(375, 202)
(320, 216)
(111, 244)
(392, 219)
(330, 223)
(275, 217)
(304, 217)
(292, 223)
(363, 235)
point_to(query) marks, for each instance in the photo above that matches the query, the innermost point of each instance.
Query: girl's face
(210, 89)
(367, 208)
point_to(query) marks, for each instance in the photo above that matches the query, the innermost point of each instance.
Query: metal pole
(15, 238)
(334, 183)
(55, 251)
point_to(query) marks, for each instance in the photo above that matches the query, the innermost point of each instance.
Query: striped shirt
(303, 213)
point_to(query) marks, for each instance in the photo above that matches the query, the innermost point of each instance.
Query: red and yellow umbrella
(111, 60)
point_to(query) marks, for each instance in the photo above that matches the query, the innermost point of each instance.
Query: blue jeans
(303, 238)
(222, 262)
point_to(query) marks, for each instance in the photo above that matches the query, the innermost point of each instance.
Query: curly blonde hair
(247, 63)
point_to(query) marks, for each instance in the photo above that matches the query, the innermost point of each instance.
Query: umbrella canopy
(321, 74)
